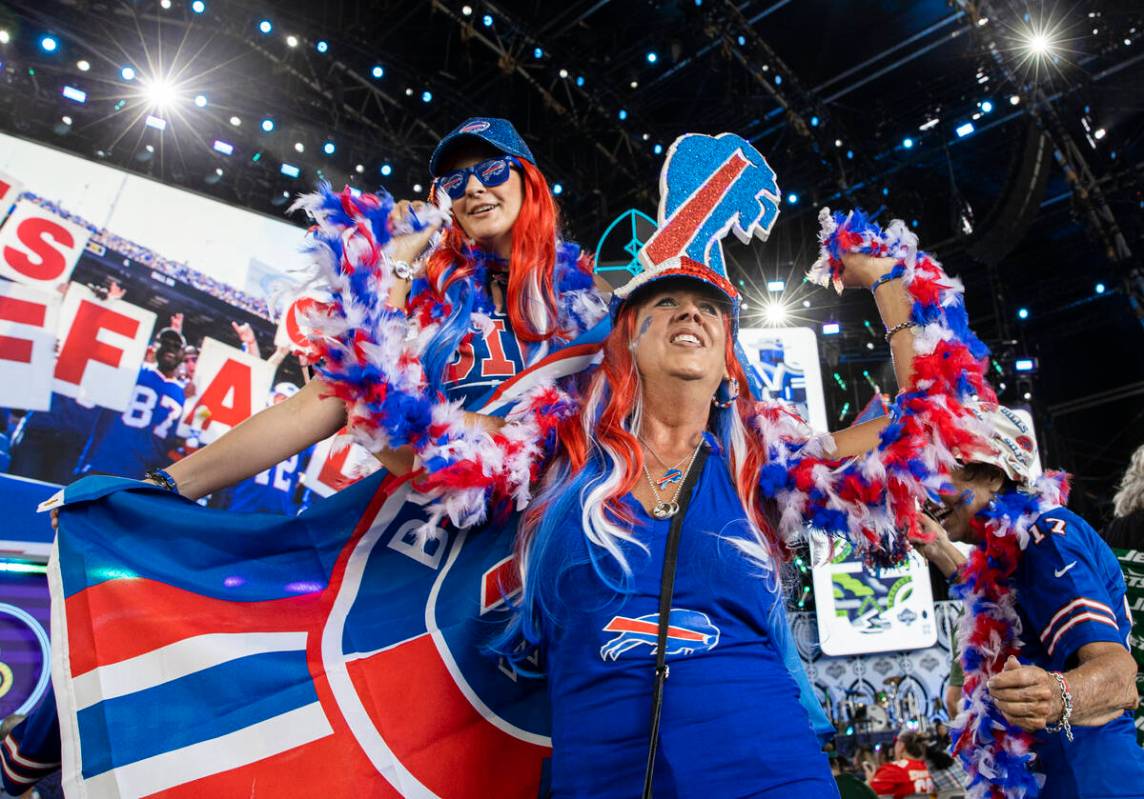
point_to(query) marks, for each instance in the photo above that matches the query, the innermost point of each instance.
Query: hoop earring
(731, 391)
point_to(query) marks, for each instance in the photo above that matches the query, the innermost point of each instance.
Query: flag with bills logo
(204, 653)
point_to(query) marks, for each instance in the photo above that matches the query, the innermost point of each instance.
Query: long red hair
(613, 395)
(531, 301)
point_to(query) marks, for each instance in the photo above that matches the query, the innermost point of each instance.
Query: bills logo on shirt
(688, 632)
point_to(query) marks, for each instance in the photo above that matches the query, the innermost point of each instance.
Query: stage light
(267, 125)
(487, 20)
(580, 80)
(964, 129)
(850, 155)
(1025, 365)
(1022, 313)
(652, 57)
(49, 44)
(775, 313)
(623, 114)
(127, 73)
(467, 10)
(929, 123)
(658, 149)
(5, 37)
(417, 188)
(646, 136)
(838, 142)
(254, 159)
(537, 53)
(66, 120)
(198, 6)
(426, 96)
(775, 285)
(1099, 134)
(742, 40)
(235, 121)
(322, 46)
(74, 94)
(377, 71)
(1014, 99)
(220, 146)
(635, 84)
(557, 188)
(986, 106)
(299, 147)
(792, 198)
(291, 40)
(158, 123)
(265, 26)
(329, 148)
(831, 329)
(814, 122)
(201, 100)
(360, 168)
(386, 170)
(908, 143)
(159, 92)
(82, 65)
(165, 5)
(290, 171)
(1038, 43)
(1028, 395)
(869, 345)
(563, 73)
(778, 80)
(885, 191)
(806, 303)
(1100, 288)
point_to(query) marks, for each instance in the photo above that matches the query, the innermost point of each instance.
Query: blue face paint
(639, 335)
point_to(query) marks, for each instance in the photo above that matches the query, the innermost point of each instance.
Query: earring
(728, 388)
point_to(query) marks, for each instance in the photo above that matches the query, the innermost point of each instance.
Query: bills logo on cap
(709, 186)
(475, 127)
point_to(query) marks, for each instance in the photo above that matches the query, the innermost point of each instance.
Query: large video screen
(138, 323)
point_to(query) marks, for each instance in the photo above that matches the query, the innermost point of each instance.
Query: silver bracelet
(403, 269)
(898, 328)
(1066, 714)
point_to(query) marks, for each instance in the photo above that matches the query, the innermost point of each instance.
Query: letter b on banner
(39, 248)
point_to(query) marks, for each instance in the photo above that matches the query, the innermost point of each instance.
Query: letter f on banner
(710, 185)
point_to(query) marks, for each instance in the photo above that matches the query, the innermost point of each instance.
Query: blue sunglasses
(492, 172)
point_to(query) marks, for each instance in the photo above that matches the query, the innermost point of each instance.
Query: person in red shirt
(907, 774)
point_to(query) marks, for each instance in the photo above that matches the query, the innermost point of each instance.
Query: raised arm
(265, 439)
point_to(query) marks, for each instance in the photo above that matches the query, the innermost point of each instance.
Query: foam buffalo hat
(498, 133)
(1011, 446)
(709, 186)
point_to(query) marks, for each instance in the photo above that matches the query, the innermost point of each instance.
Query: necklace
(665, 509)
(671, 474)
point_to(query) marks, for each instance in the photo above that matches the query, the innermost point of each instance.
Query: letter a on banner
(230, 386)
(103, 347)
(27, 346)
(39, 248)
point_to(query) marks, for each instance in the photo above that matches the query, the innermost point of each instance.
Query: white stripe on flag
(177, 660)
(239, 748)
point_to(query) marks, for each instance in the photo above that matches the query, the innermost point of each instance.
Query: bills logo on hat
(475, 127)
(709, 186)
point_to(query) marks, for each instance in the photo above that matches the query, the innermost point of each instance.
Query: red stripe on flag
(437, 733)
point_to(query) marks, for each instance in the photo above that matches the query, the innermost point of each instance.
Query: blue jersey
(274, 490)
(1071, 592)
(484, 361)
(732, 722)
(65, 416)
(128, 444)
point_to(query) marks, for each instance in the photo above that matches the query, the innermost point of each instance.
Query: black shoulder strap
(666, 592)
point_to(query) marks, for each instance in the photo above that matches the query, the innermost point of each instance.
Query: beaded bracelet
(893, 274)
(898, 328)
(1066, 701)
(163, 478)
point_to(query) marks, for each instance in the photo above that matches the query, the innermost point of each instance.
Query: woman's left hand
(862, 270)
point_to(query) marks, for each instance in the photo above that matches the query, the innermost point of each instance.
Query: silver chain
(665, 510)
(662, 462)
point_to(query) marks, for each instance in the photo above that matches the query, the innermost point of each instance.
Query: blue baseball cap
(498, 132)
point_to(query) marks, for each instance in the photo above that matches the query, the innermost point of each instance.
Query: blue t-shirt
(127, 444)
(485, 361)
(732, 724)
(274, 490)
(1071, 592)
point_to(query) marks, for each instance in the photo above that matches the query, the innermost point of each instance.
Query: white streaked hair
(1130, 497)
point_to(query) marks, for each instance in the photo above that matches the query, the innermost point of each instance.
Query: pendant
(665, 510)
(669, 477)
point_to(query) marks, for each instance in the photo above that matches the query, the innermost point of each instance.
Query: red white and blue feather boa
(370, 356)
(929, 426)
(996, 753)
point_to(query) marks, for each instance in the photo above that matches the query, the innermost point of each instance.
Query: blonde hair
(1130, 497)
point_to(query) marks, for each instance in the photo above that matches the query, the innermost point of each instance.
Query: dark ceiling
(1034, 208)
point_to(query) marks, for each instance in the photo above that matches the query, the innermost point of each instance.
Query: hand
(55, 514)
(116, 291)
(1027, 696)
(862, 270)
(176, 319)
(869, 770)
(936, 546)
(245, 334)
(410, 245)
